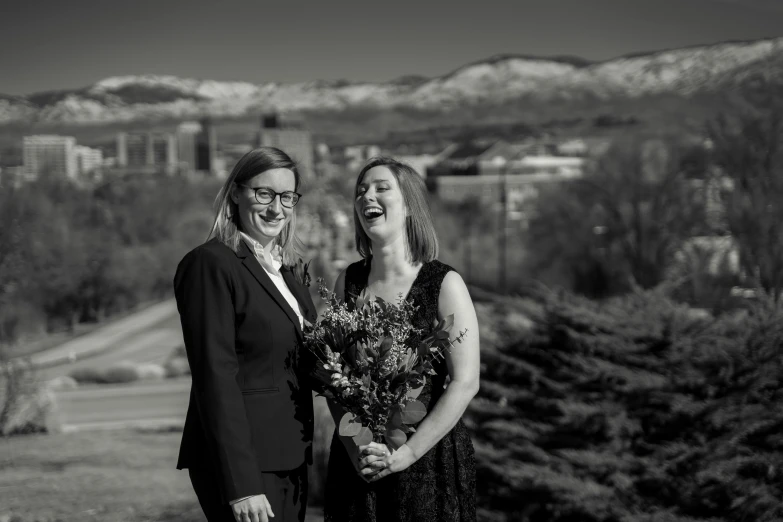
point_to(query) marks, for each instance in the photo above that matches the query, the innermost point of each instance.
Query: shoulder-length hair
(420, 237)
(226, 226)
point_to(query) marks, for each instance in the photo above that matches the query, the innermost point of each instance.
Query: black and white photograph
(391, 262)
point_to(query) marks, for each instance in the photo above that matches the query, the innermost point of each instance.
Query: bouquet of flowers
(373, 363)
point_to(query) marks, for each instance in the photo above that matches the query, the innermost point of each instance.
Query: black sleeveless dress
(441, 485)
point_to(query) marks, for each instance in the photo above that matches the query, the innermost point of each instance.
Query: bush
(120, 373)
(87, 375)
(151, 372)
(25, 407)
(632, 409)
(63, 382)
(176, 367)
(33, 414)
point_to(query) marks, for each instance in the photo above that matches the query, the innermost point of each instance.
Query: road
(108, 335)
(144, 344)
(107, 407)
(146, 336)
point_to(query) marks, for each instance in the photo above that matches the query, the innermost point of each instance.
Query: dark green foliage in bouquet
(373, 363)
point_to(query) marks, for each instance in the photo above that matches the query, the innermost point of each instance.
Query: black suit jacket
(251, 409)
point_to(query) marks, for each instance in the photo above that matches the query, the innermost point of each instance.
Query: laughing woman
(432, 477)
(249, 426)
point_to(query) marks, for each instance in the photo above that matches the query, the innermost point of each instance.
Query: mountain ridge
(517, 81)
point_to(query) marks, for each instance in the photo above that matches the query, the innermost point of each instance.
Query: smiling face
(264, 222)
(380, 206)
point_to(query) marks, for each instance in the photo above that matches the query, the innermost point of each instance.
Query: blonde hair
(420, 236)
(226, 226)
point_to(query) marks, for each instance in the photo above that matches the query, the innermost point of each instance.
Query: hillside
(664, 84)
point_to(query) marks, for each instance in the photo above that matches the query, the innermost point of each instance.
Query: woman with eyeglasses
(249, 426)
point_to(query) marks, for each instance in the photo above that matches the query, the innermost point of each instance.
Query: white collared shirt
(258, 250)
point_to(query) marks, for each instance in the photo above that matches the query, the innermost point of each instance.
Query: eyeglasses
(266, 195)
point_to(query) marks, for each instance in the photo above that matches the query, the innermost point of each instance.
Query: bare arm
(339, 286)
(463, 364)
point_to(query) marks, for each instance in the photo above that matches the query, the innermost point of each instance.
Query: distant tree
(468, 234)
(747, 149)
(621, 224)
(21, 213)
(71, 253)
(611, 120)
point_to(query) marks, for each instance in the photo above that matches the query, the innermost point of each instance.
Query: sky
(55, 44)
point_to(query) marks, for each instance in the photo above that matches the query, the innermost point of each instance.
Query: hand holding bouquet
(373, 363)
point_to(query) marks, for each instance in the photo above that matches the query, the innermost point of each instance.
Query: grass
(117, 476)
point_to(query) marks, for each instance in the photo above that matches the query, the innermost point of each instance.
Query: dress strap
(356, 276)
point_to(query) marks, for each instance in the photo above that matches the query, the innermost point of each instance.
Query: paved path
(147, 336)
(152, 344)
(107, 336)
(159, 404)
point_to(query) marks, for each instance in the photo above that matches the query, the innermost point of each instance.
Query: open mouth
(372, 213)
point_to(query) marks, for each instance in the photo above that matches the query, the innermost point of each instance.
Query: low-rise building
(49, 154)
(290, 137)
(88, 159)
(356, 156)
(147, 151)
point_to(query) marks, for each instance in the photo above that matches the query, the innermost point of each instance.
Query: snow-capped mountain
(687, 72)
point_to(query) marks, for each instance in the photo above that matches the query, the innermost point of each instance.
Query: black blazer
(251, 409)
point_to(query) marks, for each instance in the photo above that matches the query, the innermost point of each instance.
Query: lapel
(255, 268)
(301, 293)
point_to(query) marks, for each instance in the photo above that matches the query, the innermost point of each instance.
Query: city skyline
(81, 42)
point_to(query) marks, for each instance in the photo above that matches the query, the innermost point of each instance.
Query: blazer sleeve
(203, 290)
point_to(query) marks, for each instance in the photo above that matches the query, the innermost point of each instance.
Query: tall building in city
(206, 146)
(162, 152)
(122, 149)
(187, 134)
(197, 146)
(131, 149)
(49, 154)
(147, 150)
(296, 142)
(137, 150)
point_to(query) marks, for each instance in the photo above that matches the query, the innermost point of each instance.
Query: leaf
(441, 335)
(413, 393)
(405, 361)
(395, 438)
(414, 411)
(446, 323)
(397, 379)
(349, 354)
(361, 300)
(363, 438)
(386, 345)
(395, 421)
(348, 425)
